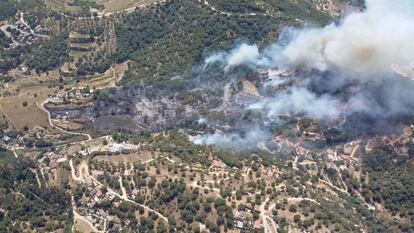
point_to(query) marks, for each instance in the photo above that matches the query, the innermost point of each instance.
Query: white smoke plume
(364, 42)
(365, 45)
(242, 54)
(370, 41)
(232, 141)
(299, 101)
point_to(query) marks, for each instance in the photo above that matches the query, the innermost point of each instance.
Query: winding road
(49, 117)
(84, 172)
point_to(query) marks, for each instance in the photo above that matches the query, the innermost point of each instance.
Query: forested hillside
(8, 8)
(303, 10)
(25, 204)
(50, 54)
(169, 40)
(391, 183)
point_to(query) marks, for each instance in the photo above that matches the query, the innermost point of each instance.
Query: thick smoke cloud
(296, 101)
(371, 41)
(357, 55)
(364, 42)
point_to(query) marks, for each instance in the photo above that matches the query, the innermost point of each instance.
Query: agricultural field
(61, 5)
(107, 6)
(119, 5)
(72, 6)
(83, 226)
(142, 156)
(20, 103)
(109, 79)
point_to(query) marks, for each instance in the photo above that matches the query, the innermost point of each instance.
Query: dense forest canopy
(304, 10)
(170, 39)
(391, 182)
(22, 201)
(50, 54)
(9, 8)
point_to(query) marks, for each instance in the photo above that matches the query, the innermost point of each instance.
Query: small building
(92, 203)
(6, 138)
(98, 192)
(240, 224)
(84, 198)
(102, 213)
(56, 100)
(257, 224)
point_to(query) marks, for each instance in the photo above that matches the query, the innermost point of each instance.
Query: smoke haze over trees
(341, 70)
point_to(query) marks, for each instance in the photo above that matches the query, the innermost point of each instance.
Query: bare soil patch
(140, 156)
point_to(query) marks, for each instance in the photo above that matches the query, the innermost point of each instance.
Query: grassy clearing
(140, 156)
(82, 226)
(119, 5)
(6, 157)
(21, 107)
(109, 5)
(106, 80)
(77, 54)
(20, 100)
(61, 5)
(20, 116)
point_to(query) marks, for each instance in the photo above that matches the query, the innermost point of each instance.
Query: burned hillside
(246, 108)
(242, 97)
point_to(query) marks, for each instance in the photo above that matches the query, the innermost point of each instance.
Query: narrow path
(206, 3)
(303, 198)
(195, 185)
(356, 148)
(37, 177)
(14, 153)
(78, 217)
(72, 171)
(226, 97)
(43, 176)
(246, 173)
(25, 24)
(266, 219)
(131, 201)
(341, 180)
(84, 172)
(333, 186)
(123, 190)
(168, 159)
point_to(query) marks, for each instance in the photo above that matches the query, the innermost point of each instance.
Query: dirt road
(84, 172)
(49, 117)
